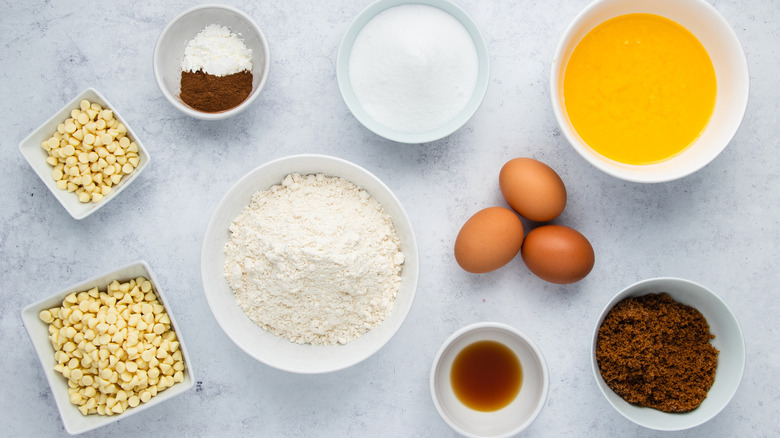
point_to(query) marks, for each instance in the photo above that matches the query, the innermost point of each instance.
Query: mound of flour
(315, 260)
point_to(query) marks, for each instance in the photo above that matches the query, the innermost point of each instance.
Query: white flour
(217, 51)
(413, 68)
(315, 259)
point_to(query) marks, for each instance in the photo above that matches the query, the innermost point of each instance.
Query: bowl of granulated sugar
(413, 72)
(310, 264)
(211, 62)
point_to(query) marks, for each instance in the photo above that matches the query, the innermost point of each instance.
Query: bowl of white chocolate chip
(109, 347)
(85, 154)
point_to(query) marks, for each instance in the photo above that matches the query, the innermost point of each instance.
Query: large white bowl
(342, 72)
(266, 347)
(731, 72)
(74, 422)
(169, 52)
(728, 340)
(30, 147)
(505, 422)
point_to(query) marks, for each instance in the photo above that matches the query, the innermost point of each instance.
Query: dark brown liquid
(486, 376)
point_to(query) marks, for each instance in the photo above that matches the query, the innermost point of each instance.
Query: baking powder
(315, 260)
(413, 68)
(217, 51)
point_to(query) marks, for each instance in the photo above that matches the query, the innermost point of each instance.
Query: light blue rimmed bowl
(354, 105)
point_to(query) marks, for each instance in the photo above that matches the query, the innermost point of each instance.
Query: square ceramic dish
(74, 421)
(30, 147)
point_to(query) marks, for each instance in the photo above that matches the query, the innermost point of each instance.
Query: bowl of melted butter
(649, 90)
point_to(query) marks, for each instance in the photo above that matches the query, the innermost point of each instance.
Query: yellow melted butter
(639, 88)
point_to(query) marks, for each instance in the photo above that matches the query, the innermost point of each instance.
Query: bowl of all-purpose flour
(413, 72)
(310, 264)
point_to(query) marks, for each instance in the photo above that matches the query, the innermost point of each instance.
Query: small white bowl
(731, 72)
(277, 351)
(74, 422)
(348, 94)
(31, 148)
(169, 52)
(728, 340)
(505, 422)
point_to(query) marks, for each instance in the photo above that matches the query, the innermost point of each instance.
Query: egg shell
(489, 240)
(533, 189)
(558, 254)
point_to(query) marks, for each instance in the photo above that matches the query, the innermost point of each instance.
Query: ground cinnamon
(655, 352)
(210, 93)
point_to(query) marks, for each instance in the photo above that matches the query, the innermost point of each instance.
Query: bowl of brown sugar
(667, 353)
(211, 62)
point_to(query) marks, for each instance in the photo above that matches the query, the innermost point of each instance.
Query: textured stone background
(718, 227)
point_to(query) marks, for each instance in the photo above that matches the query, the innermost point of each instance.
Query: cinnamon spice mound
(655, 352)
(210, 93)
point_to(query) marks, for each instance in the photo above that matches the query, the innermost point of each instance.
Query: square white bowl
(31, 148)
(74, 421)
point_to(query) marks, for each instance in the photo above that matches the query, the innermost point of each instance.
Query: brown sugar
(655, 352)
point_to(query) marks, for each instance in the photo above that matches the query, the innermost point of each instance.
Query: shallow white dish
(505, 422)
(731, 70)
(31, 148)
(74, 422)
(266, 347)
(348, 94)
(169, 52)
(728, 340)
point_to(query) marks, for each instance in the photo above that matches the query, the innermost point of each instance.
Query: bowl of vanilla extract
(489, 379)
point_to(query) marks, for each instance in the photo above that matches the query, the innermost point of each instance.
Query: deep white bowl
(264, 346)
(728, 340)
(731, 71)
(74, 422)
(505, 422)
(342, 72)
(30, 147)
(169, 52)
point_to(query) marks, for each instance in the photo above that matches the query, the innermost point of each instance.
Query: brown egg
(532, 189)
(489, 240)
(558, 254)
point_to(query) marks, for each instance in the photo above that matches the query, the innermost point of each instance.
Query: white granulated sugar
(413, 68)
(315, 260)
(217, 51)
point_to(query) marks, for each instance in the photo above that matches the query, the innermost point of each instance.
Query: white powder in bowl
(315, 260)
(413, 68)
(217, 51)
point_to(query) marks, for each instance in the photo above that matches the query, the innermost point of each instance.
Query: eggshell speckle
(489, 240)
(558, 254)
(533, 189)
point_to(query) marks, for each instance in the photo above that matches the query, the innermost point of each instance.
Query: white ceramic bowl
(169, 52)
(30, 147)
(342, 72)
(38, 331)
(731, 71)
(264, 346)
(505, 422)
(728, 340)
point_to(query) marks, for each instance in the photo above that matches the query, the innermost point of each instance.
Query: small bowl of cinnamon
(211, 62)
(667, 353)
